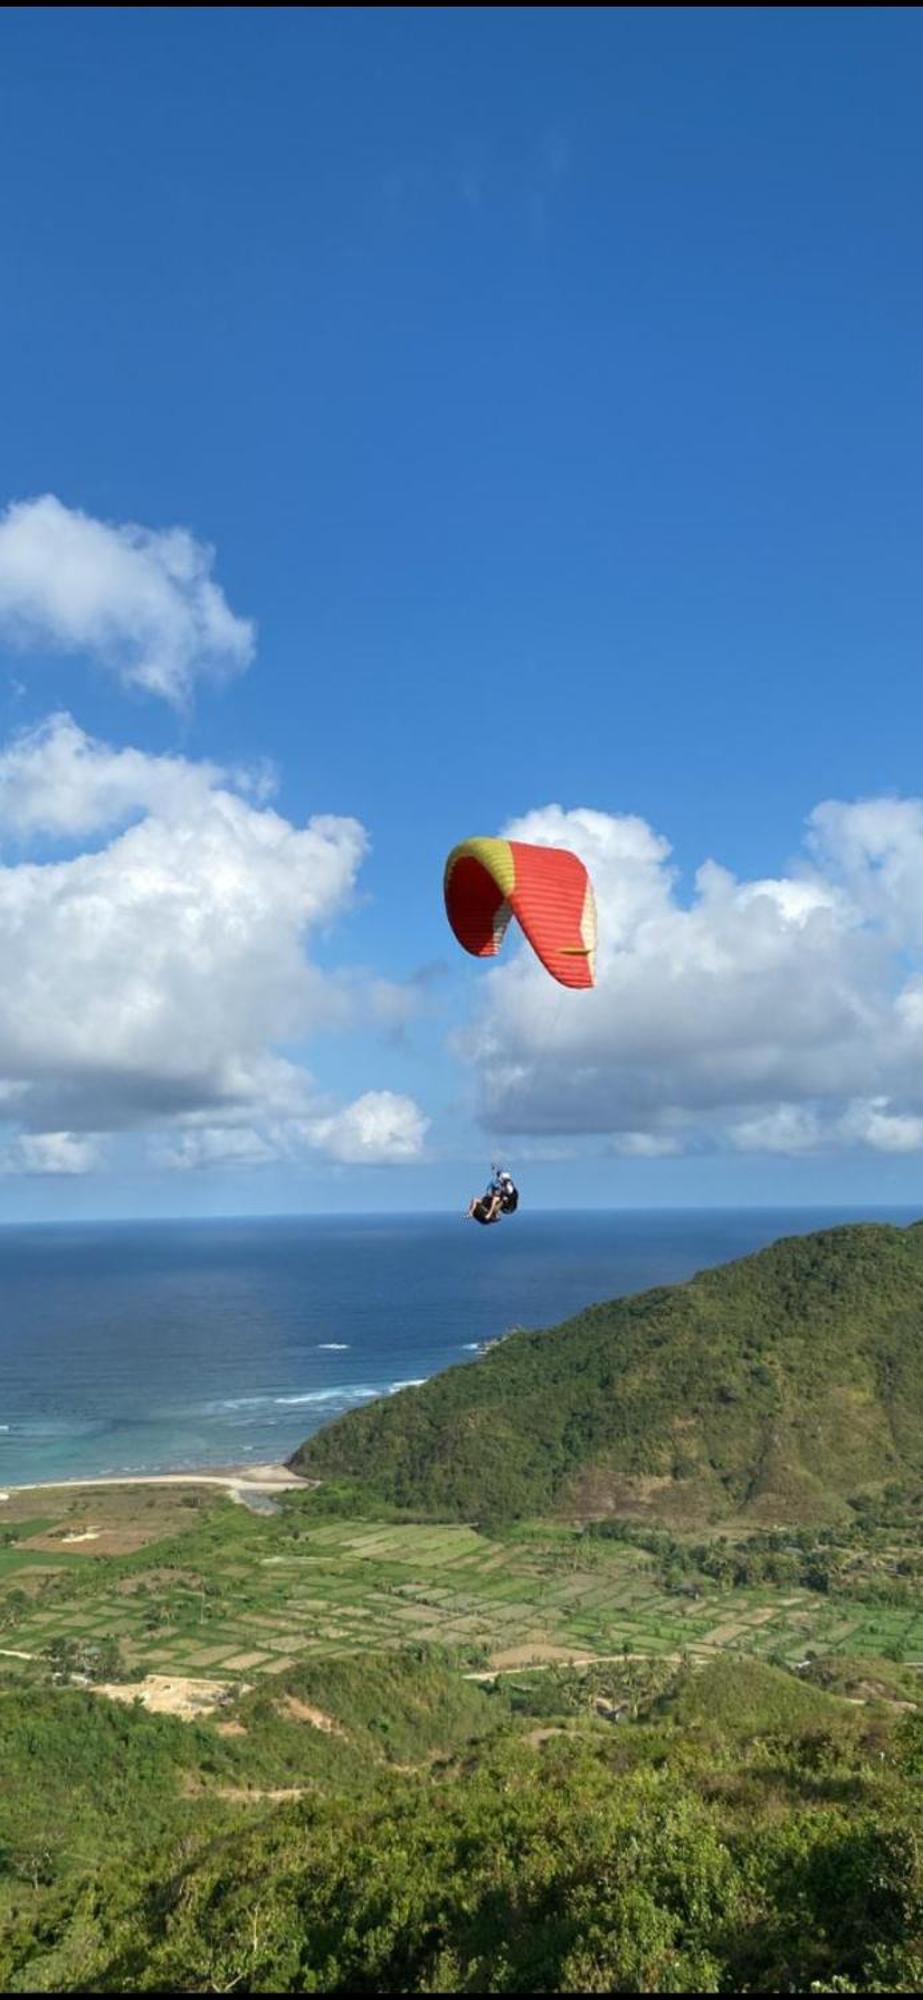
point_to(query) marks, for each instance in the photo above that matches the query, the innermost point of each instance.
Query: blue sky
(547, 385)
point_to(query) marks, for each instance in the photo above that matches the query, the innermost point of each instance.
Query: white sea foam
(415, 1382)
(234, 1403)
(228, 1406)
(472, 1346)
(332, 1346)
(344, 1394)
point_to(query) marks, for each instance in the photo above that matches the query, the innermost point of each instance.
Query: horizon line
(445, 1214)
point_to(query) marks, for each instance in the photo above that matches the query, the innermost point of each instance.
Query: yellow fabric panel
(494, 855)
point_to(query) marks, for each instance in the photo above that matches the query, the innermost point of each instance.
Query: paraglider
(501, 1198)
(548, 891)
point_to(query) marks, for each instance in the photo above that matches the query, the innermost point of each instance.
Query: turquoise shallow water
(147, 1347)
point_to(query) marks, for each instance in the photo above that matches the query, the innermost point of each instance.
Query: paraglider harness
(503, 1185)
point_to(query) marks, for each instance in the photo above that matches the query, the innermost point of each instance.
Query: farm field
(196, 1587)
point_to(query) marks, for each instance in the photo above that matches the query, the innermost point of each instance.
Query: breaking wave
(347, 1394)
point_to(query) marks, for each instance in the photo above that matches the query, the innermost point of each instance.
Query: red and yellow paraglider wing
(546, 888)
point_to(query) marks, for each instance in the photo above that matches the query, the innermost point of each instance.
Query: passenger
(501, 1198)
(486, 1207)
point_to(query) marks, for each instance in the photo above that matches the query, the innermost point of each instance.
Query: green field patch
(369, 1545)
(303, 1603)
(33, 1524)
(207, 1656)
(409, 1614)
(13, 1559)
(268, 1621)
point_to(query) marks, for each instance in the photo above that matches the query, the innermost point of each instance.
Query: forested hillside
(773, 1389)
(739, 1832)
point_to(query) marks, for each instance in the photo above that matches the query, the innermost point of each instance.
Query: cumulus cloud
(56, 780)
(142, 601)
(148, 982)
(380, 1128)
(783, 1014)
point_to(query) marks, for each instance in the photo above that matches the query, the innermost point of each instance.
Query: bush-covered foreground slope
(735, 1832)
(772, 1389)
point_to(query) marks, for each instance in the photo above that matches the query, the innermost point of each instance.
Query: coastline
(236, 1480)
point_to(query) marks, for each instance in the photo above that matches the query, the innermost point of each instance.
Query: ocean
(147, 1347)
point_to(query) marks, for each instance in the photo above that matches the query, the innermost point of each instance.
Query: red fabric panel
(472, 902)
(548, 901)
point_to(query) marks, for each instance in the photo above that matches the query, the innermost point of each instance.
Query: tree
(63, 1658)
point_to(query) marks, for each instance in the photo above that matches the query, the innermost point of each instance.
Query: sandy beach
(236, 1481)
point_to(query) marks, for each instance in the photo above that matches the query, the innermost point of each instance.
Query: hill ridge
(775, 1387)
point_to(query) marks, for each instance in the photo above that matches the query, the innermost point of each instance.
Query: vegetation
(654, 1724)
(777, 1388)
(744, 1834)
(82, 1775)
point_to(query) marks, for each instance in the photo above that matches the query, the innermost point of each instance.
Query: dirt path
(530, 1665)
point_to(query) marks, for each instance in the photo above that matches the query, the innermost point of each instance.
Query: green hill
(748, 1698)
(773, 1389)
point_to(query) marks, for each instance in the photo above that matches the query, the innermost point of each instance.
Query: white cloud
(51, 1153)
(790, 1128)
(56, 780)
(380, 1128)
(142, 601)
(782, 1014)
(215, 1146)
(874, 1124)
(154, 972)
(147, 985)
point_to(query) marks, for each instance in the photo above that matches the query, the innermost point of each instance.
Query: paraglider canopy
(548, 890)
